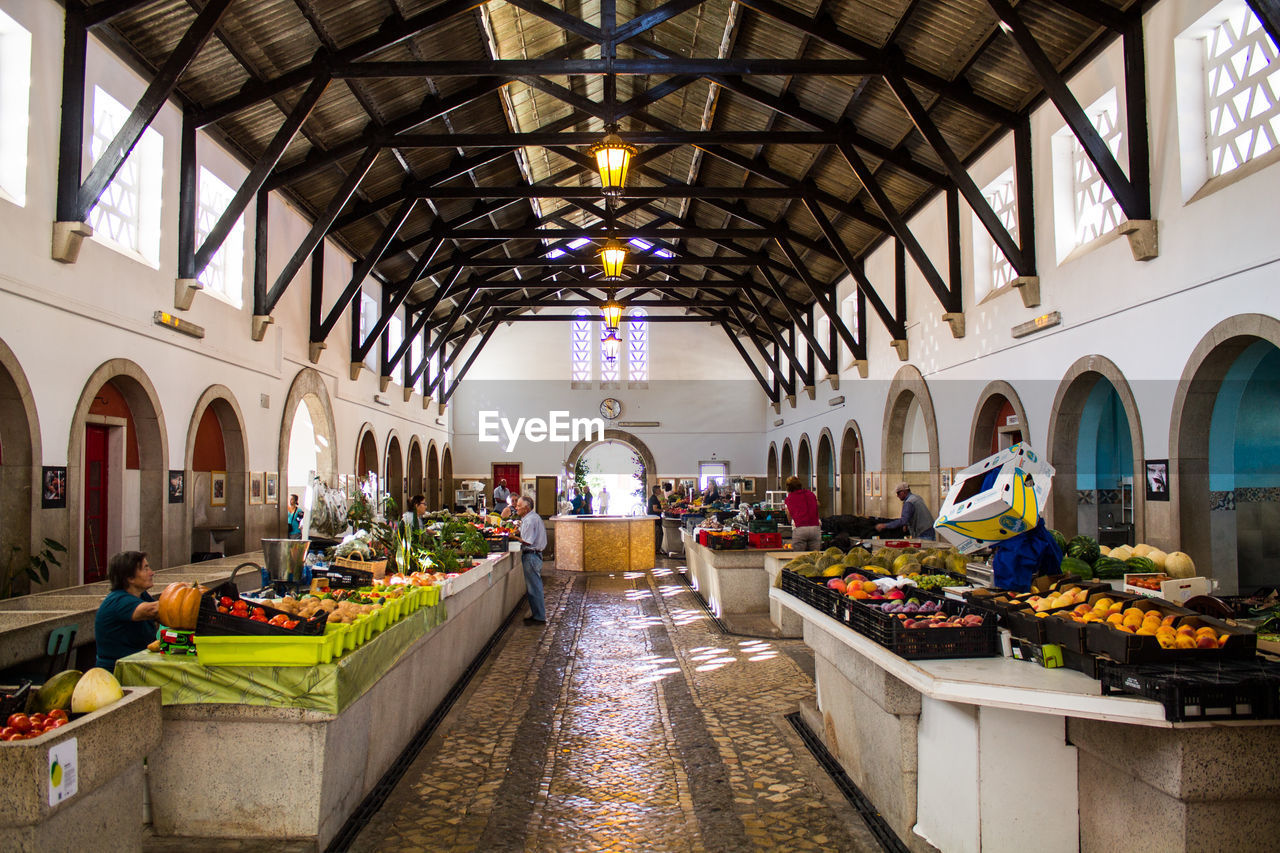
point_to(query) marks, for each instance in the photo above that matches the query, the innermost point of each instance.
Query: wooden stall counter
(604, 543)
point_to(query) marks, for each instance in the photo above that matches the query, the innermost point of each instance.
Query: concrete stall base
(321, 766)
(731, 582)
(110, 745)
(602, 543)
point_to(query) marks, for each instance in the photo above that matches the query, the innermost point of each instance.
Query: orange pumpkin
(179, 604)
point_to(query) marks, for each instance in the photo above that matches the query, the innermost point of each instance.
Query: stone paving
(630, 722)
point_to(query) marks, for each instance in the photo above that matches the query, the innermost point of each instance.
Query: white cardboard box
(972, 518)
(1176, 590)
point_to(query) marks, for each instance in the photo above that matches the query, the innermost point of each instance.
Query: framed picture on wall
(273, 487)
(53, 491)
(256, 488)
(866, 484)
(875, 484)
(217, 488)
(944, 478)
(748, 485)
(1157, 479)
(177, 486)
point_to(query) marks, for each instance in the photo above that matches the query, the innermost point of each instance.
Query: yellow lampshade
(612, 257)
(610, 346)
(612, 314)
(613, 157)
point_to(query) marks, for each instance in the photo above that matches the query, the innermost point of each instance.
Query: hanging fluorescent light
(612, 258)
(613, 157)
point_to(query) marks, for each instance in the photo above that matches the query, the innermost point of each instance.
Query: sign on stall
(64, 771)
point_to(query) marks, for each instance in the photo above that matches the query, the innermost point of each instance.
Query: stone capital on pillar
(811, 391)
(67, 237)
(384, 382)
(777, 407)
(184, 293)
(426, 402)
(955, 319)
(834, 379)
(260, 323)
(901, 346)
(864, 367)
(1029, 287)
(791, 399)
(442, 408)
(408, 394)
(1143, 240)
(313, 351)
(356, 366)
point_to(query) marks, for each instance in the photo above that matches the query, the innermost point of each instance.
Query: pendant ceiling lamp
(610, 345)
(613, 157)
(612, 311)
(612, 258)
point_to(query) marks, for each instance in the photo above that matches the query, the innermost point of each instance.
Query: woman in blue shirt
(126, 618)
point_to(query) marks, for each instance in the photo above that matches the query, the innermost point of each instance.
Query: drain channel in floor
(884, 834)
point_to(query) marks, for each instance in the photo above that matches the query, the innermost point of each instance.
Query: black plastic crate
(814, 592)
(497, 543)
(1102, 639)
(927, 643)
(13, 698)
(1080, 662)
(762, 526)
(1215, 690)
(210, 621)
(727, 543)
(342, 578)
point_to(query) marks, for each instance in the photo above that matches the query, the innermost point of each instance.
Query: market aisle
(628, 723)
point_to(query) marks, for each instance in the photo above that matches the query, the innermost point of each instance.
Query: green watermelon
(1140, 565)
(1083, 548)
(1073, 566)
(1060, 539)
(1107, 568)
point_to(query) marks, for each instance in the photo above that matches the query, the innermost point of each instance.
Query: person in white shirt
(500, 494)
(533, 539)
(603, 501)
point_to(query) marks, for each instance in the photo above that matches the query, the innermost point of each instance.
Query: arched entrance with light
(826, 475)
(804, 462)
(851, 466)
(417, 484)
(368, 471)
(771, 468)
(433, 477)
(621, 464)
(217, 475)
(788, 466)
(395, 472)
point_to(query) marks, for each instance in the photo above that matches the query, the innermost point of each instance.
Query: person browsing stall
(125, 622)
(916, 521)
(509, 511)
(802, 507)
(501, 493)
(415, 518)
(533, 540)
(655, 501)
(295, 518)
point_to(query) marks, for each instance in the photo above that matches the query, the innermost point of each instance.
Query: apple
(899, 595)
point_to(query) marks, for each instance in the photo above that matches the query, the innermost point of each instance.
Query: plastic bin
(241, 650)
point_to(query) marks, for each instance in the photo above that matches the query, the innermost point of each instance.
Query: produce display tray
(209, 622)
(1121, 647)
(1212, 690)
(816, 595)
(1023, 621)
(344, 578)
(231, 650)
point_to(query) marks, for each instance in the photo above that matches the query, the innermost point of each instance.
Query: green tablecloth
(328, 687)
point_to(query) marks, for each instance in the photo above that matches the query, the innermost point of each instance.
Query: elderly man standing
(916, 521)
(533, 539)
(500, 495)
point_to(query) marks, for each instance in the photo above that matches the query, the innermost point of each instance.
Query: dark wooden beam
(748, 361)
(641, 66)
(1268, 12)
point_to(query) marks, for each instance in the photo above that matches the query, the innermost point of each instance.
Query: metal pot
(284, 558)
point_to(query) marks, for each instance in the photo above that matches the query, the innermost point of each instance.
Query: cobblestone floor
(630, 722)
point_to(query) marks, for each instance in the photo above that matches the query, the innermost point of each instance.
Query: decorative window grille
(395, 336)
(369, 319)
(1242, 92)
(128, 213)
(580, 346)
(15, 88)
(224, 276)
(1096, 209)
(1002, 195)
(638, 346)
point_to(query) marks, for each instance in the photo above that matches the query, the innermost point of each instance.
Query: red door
(95, 503)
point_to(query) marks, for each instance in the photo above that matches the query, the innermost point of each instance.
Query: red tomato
(55, 723)
(225, 601)
(58, 714)
(14, 736)
(222, 609)
(291, 624)
(258, 611)
(20, 722)
(240, 604)
(5, 731)
(38, 719)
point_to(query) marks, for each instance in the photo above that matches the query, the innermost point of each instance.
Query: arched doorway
(217, 447)
(20, 472)
(623, 459)
(368, 469)
(1095, 436)
(910, 441)
(433, 477)
(851, 500)
(771, 467)
(826, 475)
(394, 469)
(416, 484)
(788, 465)
(804, 462)
(998, 422)
(1225, 444)
(117, 471)
(448, 497)
(308, 442)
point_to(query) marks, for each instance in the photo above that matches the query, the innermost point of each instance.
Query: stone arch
(908, 386)
(631, 440)
(434, 498)
(446, 477)
(308, 388)
(133, 384)
(788, 465)
(414, 469)
(1064, 427)
(991, 402)
(804, 461)
(21, 463)
(825, 472)
(393, 470)
(222, 402)
(1193, 406)
(367, 460)
(852, 464)
(771, 467)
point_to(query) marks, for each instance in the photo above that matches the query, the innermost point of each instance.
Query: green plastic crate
(245, 650)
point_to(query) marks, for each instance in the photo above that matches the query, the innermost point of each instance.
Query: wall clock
(611, 408)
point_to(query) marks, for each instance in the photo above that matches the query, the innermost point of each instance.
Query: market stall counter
(603, 543)
(324, 734)
(991, 753)
(731, 581)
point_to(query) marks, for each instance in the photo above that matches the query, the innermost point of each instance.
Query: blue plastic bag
(1016, 561)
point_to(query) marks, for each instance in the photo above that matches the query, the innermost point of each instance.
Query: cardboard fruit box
(1176, 590)
(1121, 647)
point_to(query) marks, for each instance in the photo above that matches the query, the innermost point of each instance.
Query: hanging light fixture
(612, 311)
(613, 157)
(610, 345)
(612, 258)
